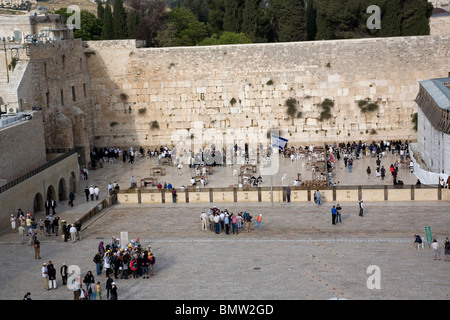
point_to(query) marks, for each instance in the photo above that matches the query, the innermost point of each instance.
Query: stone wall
(56, 181)
(22, 148)
(245, 88)
(58, 81)
(440, 25)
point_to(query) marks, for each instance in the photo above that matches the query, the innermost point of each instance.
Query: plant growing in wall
(270, 82)
(233, 101)
(326, 106)
(142, 111)
(114, 123)
(366, 106)
(123, 96)
(292, 108)
(154, 125)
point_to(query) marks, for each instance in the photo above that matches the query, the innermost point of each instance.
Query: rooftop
(439, 90)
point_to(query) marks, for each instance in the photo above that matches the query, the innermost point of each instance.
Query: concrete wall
(22, 148)
(179, 86)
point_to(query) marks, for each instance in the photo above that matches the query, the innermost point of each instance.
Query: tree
(311, 15)
(91, 26)
(250, 18)
(291, 21)
(415, 17)
(108, 31)
(100, 10)
(226, 38)
(132, 23)
(152, 17)
(199, 8)
(232, 16)
(391, 21)
(187, 30)
(119, 20)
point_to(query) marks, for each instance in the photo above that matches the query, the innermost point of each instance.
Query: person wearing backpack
(134, 267)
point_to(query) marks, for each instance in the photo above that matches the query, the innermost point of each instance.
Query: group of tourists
(218, 221)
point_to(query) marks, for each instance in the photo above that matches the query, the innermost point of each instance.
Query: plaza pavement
(298, 254)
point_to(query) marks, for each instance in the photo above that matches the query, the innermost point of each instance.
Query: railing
(34, 172)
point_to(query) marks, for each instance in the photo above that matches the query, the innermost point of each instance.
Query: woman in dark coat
(88, 279)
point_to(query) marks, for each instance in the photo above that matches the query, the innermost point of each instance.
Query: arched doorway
(51, 194)
(38, 203)
(62, 190)
(72, 183)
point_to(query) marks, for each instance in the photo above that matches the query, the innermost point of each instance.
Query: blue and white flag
(278, 142)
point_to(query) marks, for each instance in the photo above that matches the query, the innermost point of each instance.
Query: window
(84, 89)
(62, 97)
(73, 94)
(47, 99)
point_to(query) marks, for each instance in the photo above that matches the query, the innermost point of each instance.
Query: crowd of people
(117, 262)
(218, 221)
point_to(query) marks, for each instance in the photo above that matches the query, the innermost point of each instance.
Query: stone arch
(38, 203)
(62, 190)
(72, 183)
(51, 194)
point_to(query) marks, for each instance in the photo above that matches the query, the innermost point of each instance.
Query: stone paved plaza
(298, 254)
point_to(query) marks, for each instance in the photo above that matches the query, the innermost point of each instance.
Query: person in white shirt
(204, 219)
(73, 233)
(436, 249)
(96, 192)
(91, 192)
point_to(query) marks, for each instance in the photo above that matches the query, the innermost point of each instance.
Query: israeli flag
(278, 142)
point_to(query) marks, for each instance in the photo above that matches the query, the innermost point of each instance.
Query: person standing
(73, 233)
(333, 215)
(55, 225)
(114, 295)
(108, 286)
(338, 213)
(436, 249)
(51, 271)
(92, 291)
(86, 192)
(47, 207)
(91, 192)
(22, 234)
(259, 221)
(88, 279)
(361, 208)
(71, 198)
(447, 249)
(64, 273)
(248, 222)
(174, 195)
(45, 276)
(96, 192)
(368, 171)
(76, 289)
(37, 247)
(13, 222)
(234, 221)
(318, 197)
(99, 290)
(204, 219)
(78, 227)
(382, 172)
(53, 205)
(288, 194)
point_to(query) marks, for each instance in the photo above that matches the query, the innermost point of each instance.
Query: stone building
(433, 126)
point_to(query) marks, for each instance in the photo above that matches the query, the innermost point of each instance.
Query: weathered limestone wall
(180, 86)
(58, 82)
(22, 148)
(440, 25)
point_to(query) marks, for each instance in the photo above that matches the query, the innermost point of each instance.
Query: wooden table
(198, 180)
(161, 171)
(166, 161)
(147, 181)
(245, 167)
